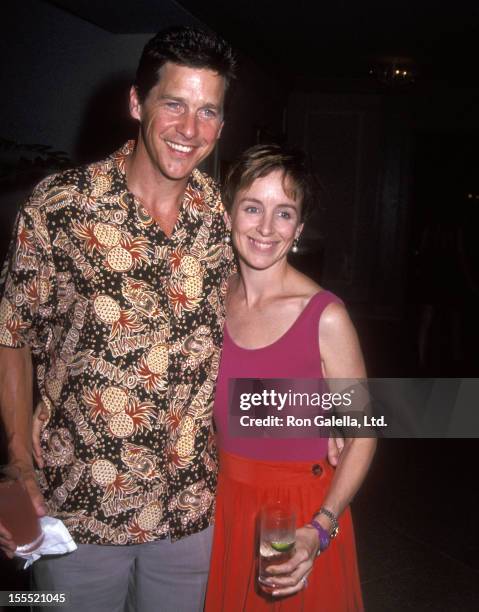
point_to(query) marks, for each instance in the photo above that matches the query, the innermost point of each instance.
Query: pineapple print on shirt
(125, 327)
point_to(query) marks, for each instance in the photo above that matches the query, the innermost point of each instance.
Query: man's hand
(335, 448)
(16, 383)
(7, 544)
(40, 416)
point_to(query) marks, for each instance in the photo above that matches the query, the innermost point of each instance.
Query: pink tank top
(294, 355)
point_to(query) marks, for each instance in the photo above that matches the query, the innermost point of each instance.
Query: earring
(227, 238)
(294, 248)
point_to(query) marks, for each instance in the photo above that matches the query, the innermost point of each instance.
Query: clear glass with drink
(277, 538)
(17, 513)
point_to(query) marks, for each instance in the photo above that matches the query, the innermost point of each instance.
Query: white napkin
(56, 541)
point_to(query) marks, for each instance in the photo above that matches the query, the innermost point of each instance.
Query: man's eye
(208, 113)
(284, 214)
(173, 106)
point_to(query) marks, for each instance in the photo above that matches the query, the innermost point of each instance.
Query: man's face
(181, 118)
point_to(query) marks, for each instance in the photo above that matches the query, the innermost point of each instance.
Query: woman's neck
(259, 286)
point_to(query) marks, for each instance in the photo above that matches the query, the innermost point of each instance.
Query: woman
(280, 324)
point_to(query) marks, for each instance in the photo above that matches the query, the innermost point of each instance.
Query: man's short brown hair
(184, 46)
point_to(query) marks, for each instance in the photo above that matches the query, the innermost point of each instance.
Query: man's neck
(158, 194)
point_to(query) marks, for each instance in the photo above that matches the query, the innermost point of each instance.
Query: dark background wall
(54, 67)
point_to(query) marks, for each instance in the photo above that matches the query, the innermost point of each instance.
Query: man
(113, 297)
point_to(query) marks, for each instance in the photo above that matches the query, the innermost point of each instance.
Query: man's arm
(20, 279)
(16, 382)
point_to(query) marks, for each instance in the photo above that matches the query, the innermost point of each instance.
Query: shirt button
(317, 469)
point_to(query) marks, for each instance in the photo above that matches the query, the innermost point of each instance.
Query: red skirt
(245, 485)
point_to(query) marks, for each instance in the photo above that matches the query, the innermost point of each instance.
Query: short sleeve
(20, 281)
(228, 267)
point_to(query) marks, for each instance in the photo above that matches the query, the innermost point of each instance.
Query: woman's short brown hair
(259, 161)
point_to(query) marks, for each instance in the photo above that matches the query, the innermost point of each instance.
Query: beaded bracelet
(324, 537)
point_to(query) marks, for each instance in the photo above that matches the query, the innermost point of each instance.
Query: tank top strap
(306, 332)
(318, 303)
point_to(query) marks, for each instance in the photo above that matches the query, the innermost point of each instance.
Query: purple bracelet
(324, 537)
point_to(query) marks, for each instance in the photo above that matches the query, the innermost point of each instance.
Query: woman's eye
(284, 214)
(251, 209)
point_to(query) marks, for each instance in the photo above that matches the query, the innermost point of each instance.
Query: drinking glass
(17, 513)
(277, 538)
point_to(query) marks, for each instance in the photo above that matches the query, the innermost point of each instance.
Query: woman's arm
(341, 359)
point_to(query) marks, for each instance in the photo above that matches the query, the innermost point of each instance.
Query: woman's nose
(265, 226)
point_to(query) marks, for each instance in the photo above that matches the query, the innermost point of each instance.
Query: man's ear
(135, 106)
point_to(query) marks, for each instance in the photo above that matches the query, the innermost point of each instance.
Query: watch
(333, 518)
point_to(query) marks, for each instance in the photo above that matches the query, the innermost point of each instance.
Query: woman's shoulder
(301, 286)
(306, 290)
(334, 321)
(327, 305)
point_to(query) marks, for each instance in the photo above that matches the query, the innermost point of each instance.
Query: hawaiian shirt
(125, 328)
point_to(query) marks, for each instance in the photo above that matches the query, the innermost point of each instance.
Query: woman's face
(265, 221)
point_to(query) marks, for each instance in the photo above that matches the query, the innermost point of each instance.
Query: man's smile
(179, 147)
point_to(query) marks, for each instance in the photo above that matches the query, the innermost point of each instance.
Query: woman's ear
(299, 231)
(227, 220)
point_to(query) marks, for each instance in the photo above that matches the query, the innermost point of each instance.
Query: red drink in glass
(17, 513)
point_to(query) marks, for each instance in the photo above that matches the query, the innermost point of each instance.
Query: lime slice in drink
(282, 546)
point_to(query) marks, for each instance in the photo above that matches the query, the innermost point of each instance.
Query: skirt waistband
(251, 471)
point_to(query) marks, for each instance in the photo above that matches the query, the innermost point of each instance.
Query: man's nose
(188, 125)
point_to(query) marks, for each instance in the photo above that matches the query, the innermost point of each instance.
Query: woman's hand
(291, 577)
